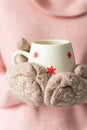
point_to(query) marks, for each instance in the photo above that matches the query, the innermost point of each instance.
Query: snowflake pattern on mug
(51, 70)
(69, 54)
(36, 54)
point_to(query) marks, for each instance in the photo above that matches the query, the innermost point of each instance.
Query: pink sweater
(40, 19)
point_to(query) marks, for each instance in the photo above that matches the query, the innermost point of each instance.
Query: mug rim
(52, 42)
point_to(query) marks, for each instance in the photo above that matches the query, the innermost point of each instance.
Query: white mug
(55, 55)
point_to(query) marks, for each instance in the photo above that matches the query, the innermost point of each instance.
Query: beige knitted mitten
(66, 88)
(28, 81)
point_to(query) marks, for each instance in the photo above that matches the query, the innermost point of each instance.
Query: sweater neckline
(64, 8)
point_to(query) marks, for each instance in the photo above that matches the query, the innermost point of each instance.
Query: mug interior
(52, 42)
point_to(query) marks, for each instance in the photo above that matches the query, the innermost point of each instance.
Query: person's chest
(25, 20)
(24, 117)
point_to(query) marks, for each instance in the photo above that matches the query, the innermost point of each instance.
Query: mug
(54, 54)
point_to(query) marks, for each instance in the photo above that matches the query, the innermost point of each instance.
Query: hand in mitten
(66, 88)
(27, 80)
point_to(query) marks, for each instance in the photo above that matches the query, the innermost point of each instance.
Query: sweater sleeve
(7, 99)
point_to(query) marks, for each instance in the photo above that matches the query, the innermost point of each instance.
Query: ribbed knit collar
(65, 8)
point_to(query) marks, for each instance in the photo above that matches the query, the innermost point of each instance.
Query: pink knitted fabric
(34, 20)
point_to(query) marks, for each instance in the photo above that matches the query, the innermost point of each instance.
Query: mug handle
(15, 54)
